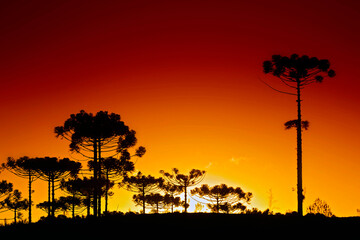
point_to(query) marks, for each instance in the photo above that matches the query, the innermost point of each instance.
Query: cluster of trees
(103, 139)
(105, 142)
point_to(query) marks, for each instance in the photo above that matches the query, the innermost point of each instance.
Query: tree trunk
(73, 206)
(95, 178)
(300, 196)
(49, 198)
(53, 198)
(143, 195)
(15, 215)
(186, 205)
(29, 197)
(99, 177)
(88, 205)
(106, 190)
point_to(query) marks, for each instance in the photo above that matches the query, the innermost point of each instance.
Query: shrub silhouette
(320, 207)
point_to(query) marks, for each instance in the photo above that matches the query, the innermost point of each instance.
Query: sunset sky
(185, 75)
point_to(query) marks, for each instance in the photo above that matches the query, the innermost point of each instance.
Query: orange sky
(185, 76)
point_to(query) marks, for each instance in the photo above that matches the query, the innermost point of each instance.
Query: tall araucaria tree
(296, 73)
(23, 167)
(53, 170)
(183, 181)
(94, 136)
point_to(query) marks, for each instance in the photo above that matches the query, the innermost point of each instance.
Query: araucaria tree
(23, 167)
(94, 136)
(141, 185)
(54, 170)
(222, 198)
(296, 73)
(184, 181)
(15, 203)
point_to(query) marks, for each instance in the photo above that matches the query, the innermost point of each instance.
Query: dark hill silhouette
(189, 225)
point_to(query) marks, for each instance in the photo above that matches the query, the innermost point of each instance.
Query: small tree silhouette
(60, 205)
(170, 198)
(23, 167)
(320, 207)
(183, 181)
(142, 185)
(80, 188)
(296, 73)
(98, 134)
(53, 170)
(15, 203)
(223, 198)
(154, 201)
(77, 190)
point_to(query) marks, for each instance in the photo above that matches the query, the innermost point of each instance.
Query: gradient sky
(185, 75)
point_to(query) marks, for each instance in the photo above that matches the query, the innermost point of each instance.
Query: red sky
(185, 76)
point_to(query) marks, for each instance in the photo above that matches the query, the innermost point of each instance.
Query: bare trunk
(53, 198)
(73, 206)
(99, 177)
(95, 178)
(300, 196)
(15, 217)
(29, 197)
(186, 205)
(143, 194)
(49, 198)
(106, 190)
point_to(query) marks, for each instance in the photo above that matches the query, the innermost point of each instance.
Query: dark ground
(192, 225)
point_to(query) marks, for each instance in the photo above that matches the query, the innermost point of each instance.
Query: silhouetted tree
(172, 201)
(23, 167)
(62, 204)
(155, 201)
(320, 207)
(98, 134)
(54, 170)
(169, 198)
(223, 198)
(78, 199)
(114, 170)
(142, 185)
(297, 72)
(184, 181)
(80, 188)
(5, 188)
(15, 203)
